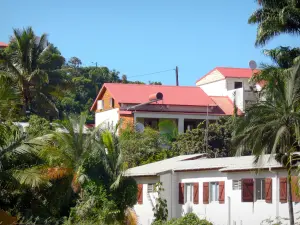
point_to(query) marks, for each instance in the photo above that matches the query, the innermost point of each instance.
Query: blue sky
(139, 37)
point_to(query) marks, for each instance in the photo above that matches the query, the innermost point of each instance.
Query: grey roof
(188, 163)
(160, 166)
(229, 163)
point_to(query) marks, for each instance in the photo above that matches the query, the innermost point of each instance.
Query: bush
(190, 219)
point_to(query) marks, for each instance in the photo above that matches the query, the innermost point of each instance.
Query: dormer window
(238, 84)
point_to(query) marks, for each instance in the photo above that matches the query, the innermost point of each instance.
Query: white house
(231, 82)
(225, 191)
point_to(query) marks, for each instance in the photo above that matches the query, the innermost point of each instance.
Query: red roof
(225, 104)
(229, 72)
(3, 45)
(172, 95)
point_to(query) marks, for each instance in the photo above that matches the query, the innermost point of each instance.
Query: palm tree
(113, 158)
(276, 17)
(21, 61)
(67, 150)
(273, 126)
(9, 98)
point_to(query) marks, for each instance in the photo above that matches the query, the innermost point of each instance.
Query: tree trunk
(290, 200)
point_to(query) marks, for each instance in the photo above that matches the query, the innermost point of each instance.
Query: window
(236, 185)
(188, 192)
(112, 103)
(151, 188)
(153, 123)
(260, 189)
(100, 104)
(238, 85)
(214, 191)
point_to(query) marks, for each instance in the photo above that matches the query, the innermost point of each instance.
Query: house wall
(107, 119)
(233, 211)
(217, 88)
(126, 120)
(106, 96)
(211, 77)
(144, 211)
(230, 83)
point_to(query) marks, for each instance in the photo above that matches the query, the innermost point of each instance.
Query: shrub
(190, 219)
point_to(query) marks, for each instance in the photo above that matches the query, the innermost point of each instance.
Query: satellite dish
(139, 127)
(252, 65)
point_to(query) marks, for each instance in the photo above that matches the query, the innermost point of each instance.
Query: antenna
(177, 79)
(252, 65)
(139, 127)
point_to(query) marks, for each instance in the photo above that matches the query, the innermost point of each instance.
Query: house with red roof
(150, 104)
(231, 82)
(3, 45)
(187, 106)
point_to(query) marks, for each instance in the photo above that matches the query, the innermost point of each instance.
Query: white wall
(217, 88)
(238, 96)
(235, 213)
(107, 119)
(230, 83)
(144, 211)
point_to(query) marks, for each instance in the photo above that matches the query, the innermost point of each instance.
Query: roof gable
(225, 72)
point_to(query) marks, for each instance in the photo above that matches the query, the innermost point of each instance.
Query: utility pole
(177, 80)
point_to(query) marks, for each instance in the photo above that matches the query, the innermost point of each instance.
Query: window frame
(153, 188)
(238, 82)
(261, 183)
(191, 197)
(216, 191)
(239, 185)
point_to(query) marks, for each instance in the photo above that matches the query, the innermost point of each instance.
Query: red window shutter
(283, 189)
(247, 190)
(295, 189)
(268, 190)
(221, 192)
(140, 194)
(196, 193)
(181, 193)
(205, 192)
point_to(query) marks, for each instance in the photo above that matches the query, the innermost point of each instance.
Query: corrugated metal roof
(229, 72)
(229, 163)
(225, 104)
(172, 95)
(155, 168)
(222, 164)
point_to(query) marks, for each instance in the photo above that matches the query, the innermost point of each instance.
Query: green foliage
(161, 208)
(216, 144)
(142, 148)
(94, 207)
(189, 218)
(38, 126)
(274, 18)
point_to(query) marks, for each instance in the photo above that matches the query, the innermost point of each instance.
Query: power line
(151, 73)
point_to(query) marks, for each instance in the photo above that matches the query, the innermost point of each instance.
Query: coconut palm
(21, 62)
(276, 17)
(67, 150)
(273, 126)
(113, 158)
